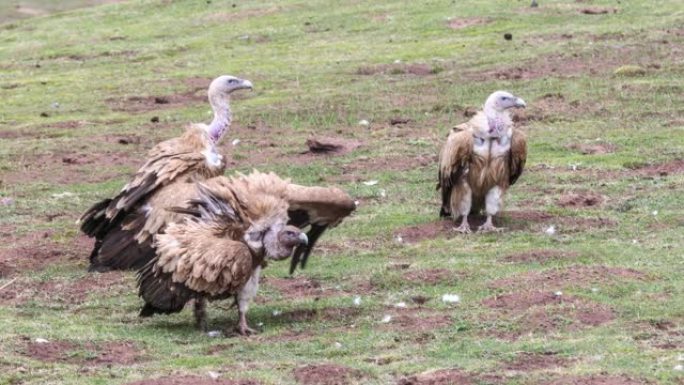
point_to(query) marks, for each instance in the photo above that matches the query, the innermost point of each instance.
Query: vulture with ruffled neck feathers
(192, 156)
(480, 160)
(220, 232)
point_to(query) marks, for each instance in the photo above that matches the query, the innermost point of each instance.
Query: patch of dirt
(241, 14)
(192, 380)
(432, 276)
(368, 165)
(430, 230)
(63, 292)
(580, 200)
(663, 169)
(297, 287)
(661, 334)
(417, 69)
(89, 353)
(33, 251)
(341, 314)
(573, 276)
(595, 380)
(598, 10)
(542, 313)
(138, 104)
(593, 148)
(336, 146)
(326, 374)
(412, 320)
(450, 377)
(460, 23)
(553, 107)
(526, 362)
(541, 256)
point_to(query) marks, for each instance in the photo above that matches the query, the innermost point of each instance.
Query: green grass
(305, 59)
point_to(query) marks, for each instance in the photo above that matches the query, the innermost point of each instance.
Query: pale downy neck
(222, 116)
(497, 120)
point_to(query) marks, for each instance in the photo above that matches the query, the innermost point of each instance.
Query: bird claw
(245, 330)
(463, 229)
(488, 228)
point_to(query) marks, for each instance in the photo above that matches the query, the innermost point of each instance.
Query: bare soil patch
(341, 314)
(449, 377)
(414, 320)
(573, 276)
(544, 312)
(595, 380)
(33, 251)
(326, 374)
(297, 287)
(138, 104)
(432, 276)
(460, 23)
(333, 146)
(580, 200)
(661, 334)
(598, 10)
(89, 353)
(541, 256)
(526, 362)
(430, 230)
(192, 380)
(63, 292)
(663, 169)
(355, 170)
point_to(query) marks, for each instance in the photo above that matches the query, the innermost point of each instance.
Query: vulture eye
(504, 98)
(232, 81)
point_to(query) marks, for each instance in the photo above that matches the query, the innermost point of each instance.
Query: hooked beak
(247, 84)
(519, 103)
(304, 240)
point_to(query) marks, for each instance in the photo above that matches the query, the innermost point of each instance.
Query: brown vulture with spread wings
(480, 160)
(191, 156)
(220, 232)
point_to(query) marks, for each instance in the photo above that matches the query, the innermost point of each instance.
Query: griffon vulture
(218, 239)
(480, 160)
(192, 156)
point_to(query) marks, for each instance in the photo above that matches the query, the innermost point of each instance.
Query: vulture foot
(245, 330)
(490, 228)
(464, 228)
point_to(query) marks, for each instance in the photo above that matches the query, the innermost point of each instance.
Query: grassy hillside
(599, 301)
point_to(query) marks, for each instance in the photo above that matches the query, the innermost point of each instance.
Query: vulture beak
(519, 103)
(303, 239)
(247, 84)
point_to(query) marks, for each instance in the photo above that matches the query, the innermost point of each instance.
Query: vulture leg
(492, 207)
(245, 295)
(461, 202)
(200, 311)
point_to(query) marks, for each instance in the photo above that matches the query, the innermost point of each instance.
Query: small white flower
(235, 142)
(364, 123)
(634, 241)
(558, 293)
(357, 301)
(551, 230)
(277, 313)
(338, 345)
(451, 298)
(386, 319)
(41, 341)
(214, 333)
(371, 182)
(400, 305)
(655, 212)
(214, 376)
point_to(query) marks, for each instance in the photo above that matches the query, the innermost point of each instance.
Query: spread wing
(518, 155)
(454, 160)
(202, 255)
(319, 208)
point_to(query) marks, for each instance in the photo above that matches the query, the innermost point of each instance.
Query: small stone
(400, 305)
(508, 36)
(213, 375)
(364, 123)
(154, 119)
(451, 298)
(551, 230)
(371, 182)
(214, 333)
(41, 341)
(386, 319)
(235, 142)
(338, 345)
(558, 293)
(357, 301)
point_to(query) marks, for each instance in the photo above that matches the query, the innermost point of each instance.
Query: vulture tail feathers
(120, 250)
(160, 294)
(94, 221)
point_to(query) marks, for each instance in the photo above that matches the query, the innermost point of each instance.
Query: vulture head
(277, 241)
(226, 84)
(496, 110)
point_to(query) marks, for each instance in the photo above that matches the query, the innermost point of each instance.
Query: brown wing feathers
(453, 163)
(518, 155)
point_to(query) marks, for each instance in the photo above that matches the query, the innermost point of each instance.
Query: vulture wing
(318, 207)
(200, 256)
(518, 154)
(453, 162)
